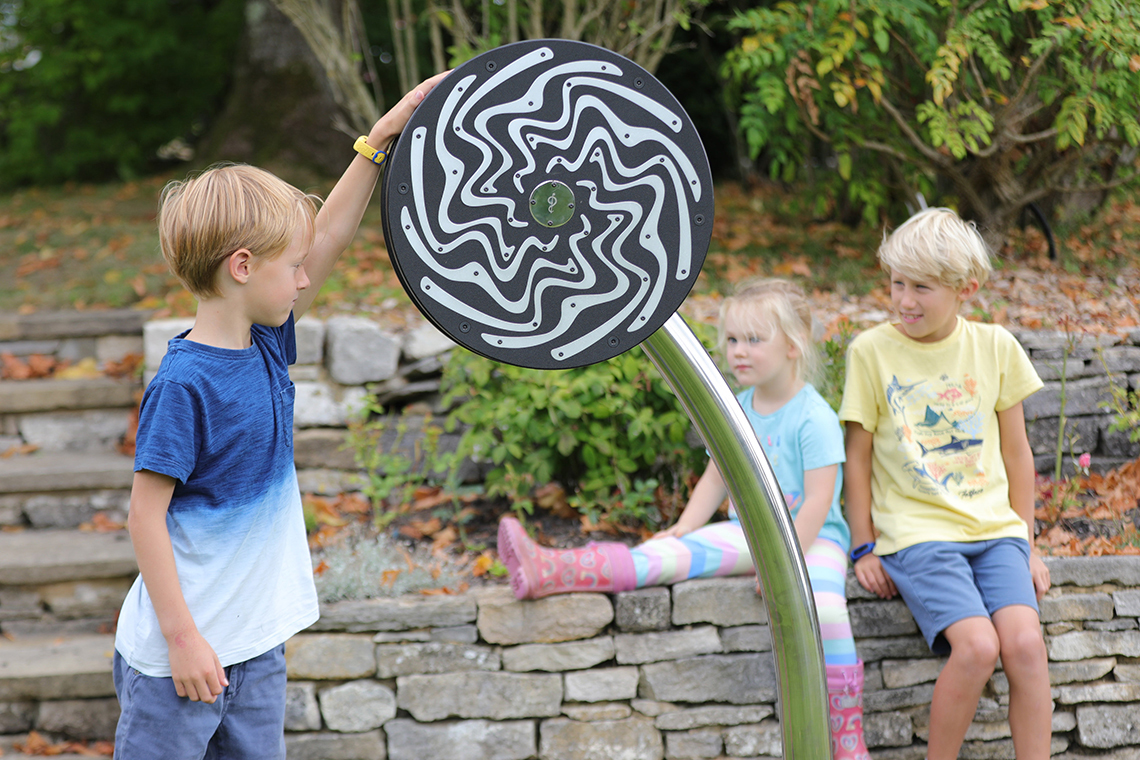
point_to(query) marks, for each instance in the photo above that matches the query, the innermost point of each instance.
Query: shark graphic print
(938, 425)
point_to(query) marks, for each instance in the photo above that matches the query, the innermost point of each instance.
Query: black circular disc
(548, 205)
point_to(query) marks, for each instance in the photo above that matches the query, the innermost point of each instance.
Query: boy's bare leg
(1026, 664)
(974, 650)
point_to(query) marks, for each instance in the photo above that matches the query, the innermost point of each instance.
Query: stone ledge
(44, 473)
(22, 396)
(52, 670)
(52, 556)
(46, 325)
(352, 693)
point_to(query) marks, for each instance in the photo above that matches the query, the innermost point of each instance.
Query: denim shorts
(246, 721)
(943, 582)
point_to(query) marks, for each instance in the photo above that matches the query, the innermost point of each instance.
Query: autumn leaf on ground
(321, 567)
(325, 512)
(101, 523)
(462, 587)
(353, 504)
(126, 445)
(444, 538)
(602, 525)
(19, 450)
(84, 369)
(36, 744)
(12, 368)
(788, 267)
(429, 498)
(552, 496)
(419, 528)
(483, 563)
(43, 366)
(1098, 546)
(125, 367)
(326, 535)
(1055, 536)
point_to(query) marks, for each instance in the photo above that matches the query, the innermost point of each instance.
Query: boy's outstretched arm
(342, 211)
(194, 667)
(1019, 471)
(857, 502)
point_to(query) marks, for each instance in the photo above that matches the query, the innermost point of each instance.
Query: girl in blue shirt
(765, 334)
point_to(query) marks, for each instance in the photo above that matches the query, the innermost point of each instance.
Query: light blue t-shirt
(803, 434)
(220, 422)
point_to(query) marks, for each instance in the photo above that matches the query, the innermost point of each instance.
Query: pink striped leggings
(719, 550)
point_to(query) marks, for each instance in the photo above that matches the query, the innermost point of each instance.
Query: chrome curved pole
(780, 565)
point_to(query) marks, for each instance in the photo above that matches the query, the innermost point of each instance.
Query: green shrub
(612, 434)
(994, 104)
(90, 90)
(380, 444)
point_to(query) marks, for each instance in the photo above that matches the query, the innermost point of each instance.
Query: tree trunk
(279, 112)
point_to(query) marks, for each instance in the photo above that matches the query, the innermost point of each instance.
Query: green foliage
(1124, 404)
(834, 370)
(611, 433)
(398, 454)
(1005, 102)
(92, 90)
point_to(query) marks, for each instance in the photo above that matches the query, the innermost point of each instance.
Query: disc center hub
(552, 203)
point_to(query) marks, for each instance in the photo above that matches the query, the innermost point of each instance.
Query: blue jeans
(247, 720)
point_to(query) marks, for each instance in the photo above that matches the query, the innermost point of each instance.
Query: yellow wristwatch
(375, 155)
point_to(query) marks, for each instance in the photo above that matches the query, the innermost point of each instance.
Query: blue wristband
(861, 551)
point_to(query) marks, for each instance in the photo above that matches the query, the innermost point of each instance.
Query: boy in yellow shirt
(939, 481)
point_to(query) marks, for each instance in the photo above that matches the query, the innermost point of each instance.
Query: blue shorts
(943, 582)
(246, 721)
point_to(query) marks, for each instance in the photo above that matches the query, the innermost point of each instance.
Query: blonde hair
(205, 218)
(935, 244)
(761, 306)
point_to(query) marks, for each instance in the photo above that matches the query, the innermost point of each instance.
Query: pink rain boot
(845, 705)
(537, 571)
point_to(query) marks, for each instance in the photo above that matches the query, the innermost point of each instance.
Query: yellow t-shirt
(937, 472)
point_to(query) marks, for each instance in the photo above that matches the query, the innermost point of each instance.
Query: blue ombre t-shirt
(804, 434)
(220, 421)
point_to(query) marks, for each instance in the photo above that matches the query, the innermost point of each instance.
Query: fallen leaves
(43, 366)
(1102, 505)
(19, 450)
(36, 744)
(101, 522)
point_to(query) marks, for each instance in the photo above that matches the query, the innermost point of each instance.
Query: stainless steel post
(780, 565)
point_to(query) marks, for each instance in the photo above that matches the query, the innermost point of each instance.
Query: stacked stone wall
(1090, 365)
(680, 672)
(343, 359)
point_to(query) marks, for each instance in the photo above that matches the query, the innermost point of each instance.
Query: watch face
(549, 204)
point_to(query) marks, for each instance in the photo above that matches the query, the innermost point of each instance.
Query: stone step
(46, 472)
(47, 669)
(24, 396)
(38, 557)
(69, 324)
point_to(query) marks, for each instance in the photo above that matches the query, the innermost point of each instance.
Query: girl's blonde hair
(936, 245)
(763, 305)
(205, 218)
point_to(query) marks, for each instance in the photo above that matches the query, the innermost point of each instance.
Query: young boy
(215, 515)
(939, 481)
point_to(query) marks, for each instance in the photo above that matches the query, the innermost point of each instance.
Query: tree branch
(1035, 137)
(932, 155)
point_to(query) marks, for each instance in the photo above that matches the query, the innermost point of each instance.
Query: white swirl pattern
(536, 288)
